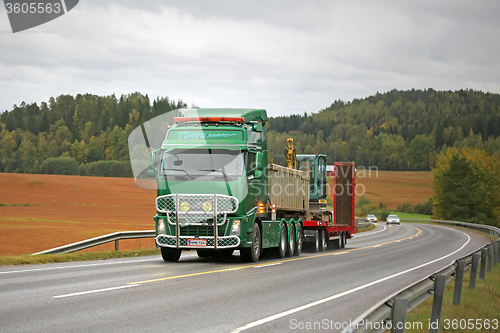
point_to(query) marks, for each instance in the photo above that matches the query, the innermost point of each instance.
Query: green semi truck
(216, 192)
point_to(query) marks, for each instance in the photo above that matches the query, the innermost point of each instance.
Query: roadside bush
(382, 215)
(59, 166)
(420, 208)
(106, 169)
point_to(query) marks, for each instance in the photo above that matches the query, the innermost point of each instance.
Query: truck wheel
(300, 241)
(291, 241)
(283, 242)
(316, 245)
(322, 241)
(252, 253)
(169, 254)
(342, 240)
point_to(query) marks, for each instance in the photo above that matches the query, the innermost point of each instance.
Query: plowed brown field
(393, 188)
(39, 212)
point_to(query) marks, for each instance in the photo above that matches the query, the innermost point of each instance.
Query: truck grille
(200, 231)
(196, 209)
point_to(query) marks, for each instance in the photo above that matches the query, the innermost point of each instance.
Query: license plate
(197, 242)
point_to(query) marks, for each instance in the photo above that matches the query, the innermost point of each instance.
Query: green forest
(398, 130)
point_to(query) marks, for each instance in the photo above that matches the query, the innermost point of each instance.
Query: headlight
(235, 229)
(184, 206)
(207, 206)
(161, 227)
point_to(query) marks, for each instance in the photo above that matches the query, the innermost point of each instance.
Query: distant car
(371, 218)
(393, 219)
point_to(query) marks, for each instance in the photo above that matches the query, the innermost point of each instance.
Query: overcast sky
(285, 56)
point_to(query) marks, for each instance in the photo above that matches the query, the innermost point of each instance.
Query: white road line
(324, 300)
(277, 263)
(371, 233)
(76, 266)
(96, 291)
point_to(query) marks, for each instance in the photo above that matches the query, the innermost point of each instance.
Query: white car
(393, 219)
(371, 218)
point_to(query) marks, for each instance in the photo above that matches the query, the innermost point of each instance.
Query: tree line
(86, 134)
(397, 130)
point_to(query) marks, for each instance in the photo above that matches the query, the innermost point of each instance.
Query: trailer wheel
(322, 241)
(342, 240)
(169, 254)
(335, 243)
(300, 241)
(283, 242)
(252, 253)
(291, 241)
(316, 245)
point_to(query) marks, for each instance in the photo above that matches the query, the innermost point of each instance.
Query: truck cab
(212, 180)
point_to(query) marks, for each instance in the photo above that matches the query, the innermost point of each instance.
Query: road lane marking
(76, 266)
(324, 300)
(371, 233)
(96, 291)
(281, 261)
(276, 263)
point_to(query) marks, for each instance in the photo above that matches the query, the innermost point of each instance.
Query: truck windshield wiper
(187, 173)
(219, 170)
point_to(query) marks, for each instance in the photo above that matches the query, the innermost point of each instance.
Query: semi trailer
(216, 192)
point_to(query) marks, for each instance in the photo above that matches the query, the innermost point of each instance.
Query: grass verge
(477, 305)
(29, 259)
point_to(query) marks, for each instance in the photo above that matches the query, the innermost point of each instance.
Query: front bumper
(223, 242)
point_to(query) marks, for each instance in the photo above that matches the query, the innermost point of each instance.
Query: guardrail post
(484, 257)
(473, 270)
(117, 245)
(399, 315)
(459, 278)
(437, 303)
(490, 258)
(496, 253)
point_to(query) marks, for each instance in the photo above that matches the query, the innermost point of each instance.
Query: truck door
(322, 192)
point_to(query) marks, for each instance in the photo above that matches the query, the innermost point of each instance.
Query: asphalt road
(146, 294)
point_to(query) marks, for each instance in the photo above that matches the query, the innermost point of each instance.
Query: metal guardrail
(393, 309)
(115, 236)
(361, 224)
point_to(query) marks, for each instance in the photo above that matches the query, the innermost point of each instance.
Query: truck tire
(169, 254)
(316, 245)
(322, 241)
(335, 243)
(252, 253)
(299, 241)
(342, 240)
(291, 241)
(283, 242)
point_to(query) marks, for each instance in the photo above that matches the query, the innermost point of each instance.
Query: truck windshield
(203, 164)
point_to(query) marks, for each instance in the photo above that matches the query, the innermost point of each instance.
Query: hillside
(397, 130)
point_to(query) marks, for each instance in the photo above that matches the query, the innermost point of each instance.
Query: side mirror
(258, 174)
(258, 161)
(152, 159)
